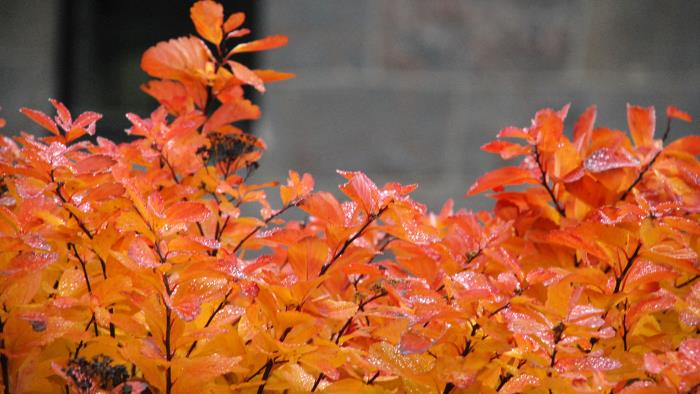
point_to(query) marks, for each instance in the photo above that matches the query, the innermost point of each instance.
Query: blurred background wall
(404, 90)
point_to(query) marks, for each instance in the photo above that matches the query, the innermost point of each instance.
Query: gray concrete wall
(409, 90)
(28, 46)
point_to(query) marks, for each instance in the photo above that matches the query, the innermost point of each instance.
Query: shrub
(132, 268)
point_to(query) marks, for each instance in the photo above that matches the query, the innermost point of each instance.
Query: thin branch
(648, 166)
(370, 219)
(87, 281)
(270, 363)
(318, 381)
(687, 282)
(373, 378)
(544, 183)
(4, 361)
(620, 279)
(384, 242)
(265, 223)
(168, 331)
(211, 318)
(624, 327)
(500, 308)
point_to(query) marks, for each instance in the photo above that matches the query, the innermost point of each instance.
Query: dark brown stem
(503, 379)
(620, 279)
(87, 281)
(360, 307)
(318, 381)
(373, 378)
(166, 340)
(270, 363)
(4, 361)
(465, 352)
(383, 245)
(558, 331)
(211, 318)
(687, 282)
(545, 184)
(265, 223)
(624, 328)
(648, 166)
(370, 219)
(500, 308)
(87, 232)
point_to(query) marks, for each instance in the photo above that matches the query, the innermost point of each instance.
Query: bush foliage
(133, 267)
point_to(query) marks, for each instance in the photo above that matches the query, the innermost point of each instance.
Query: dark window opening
(101, 47)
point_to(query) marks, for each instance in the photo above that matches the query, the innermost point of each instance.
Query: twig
(686, 282)
(370, 219)
(623, 274)
(4, 361)
(544, 183)
(648, 166)
(265, 223)
(211, 318)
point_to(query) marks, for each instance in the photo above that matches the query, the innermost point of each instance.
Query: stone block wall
(409, 90)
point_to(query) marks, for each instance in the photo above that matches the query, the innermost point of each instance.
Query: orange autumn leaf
(583, 130)
(673, 112)
(161, 265)
(93, 164)
(245, 75)
(177, 59)
(307, 257)
(234, 21)
(208, 17)
(41, 119)
(186, 212)
(497, 179)
(642, 123)
(262, 44)
(273, 76)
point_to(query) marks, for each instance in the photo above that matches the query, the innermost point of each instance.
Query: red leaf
(29, 262)
(245, 75)
(690, 144)
(261, 45)
(187, 212)
(41, 119)
(583, 130)
(673, 112)
(605, 159)
(142, 254)
(550, 128)
(644, 271)
(361, 190)
(501, 177)
(659, 301)
(324, 206)
(93, 164)
(507, 150)
(642, 122)
(86, 119)
(177, 59)
(232, 112)
(173, 95)
(64, 118)
(514, 132)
